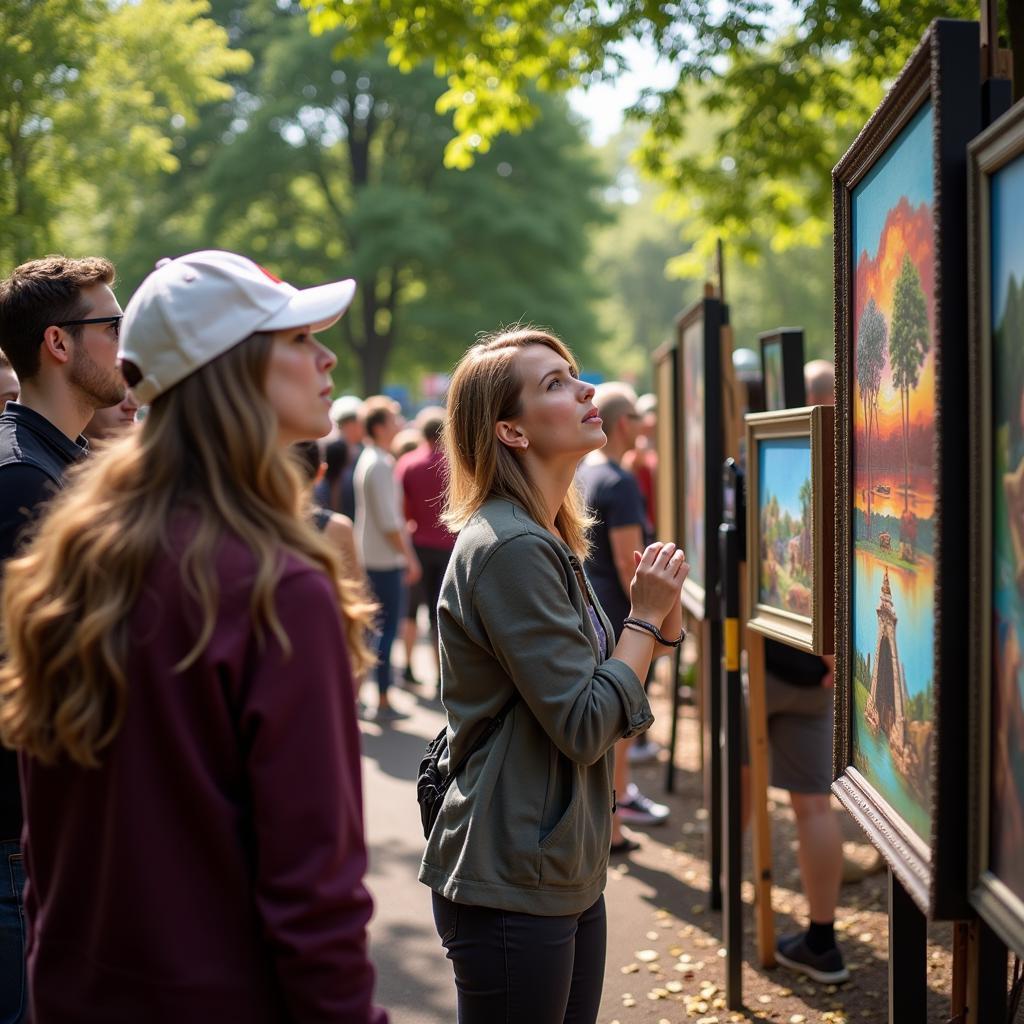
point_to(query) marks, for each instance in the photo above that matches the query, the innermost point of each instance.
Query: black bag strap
(489, 730)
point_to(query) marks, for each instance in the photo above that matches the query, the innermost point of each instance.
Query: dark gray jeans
(521, 968)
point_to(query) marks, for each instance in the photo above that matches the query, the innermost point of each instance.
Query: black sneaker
(827, 968)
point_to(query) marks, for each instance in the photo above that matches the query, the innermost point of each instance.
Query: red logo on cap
(272, 277)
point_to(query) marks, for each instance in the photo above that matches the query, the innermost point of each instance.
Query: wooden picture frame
(782, 368)
(996, 281)
(791, 482)
(699, 376)
(666, 382)
(900, 203)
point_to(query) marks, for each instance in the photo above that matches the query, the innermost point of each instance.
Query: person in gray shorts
(798, 702)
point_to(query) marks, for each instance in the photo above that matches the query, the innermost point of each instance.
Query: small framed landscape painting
(699, 359)
(666, 509)
(996, 179)
(791, 526)
(782, 368)
(900, 202)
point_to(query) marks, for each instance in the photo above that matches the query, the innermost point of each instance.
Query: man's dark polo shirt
(33, 457)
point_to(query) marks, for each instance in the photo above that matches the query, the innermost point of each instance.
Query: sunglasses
(115, 320)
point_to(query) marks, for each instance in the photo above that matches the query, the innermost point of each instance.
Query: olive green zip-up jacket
(526, 824)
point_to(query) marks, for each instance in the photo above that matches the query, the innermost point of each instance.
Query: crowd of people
(206, 563)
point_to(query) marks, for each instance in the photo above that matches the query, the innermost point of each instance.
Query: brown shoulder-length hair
(209, 446)
(487, 387)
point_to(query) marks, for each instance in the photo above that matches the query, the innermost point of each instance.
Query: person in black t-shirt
(59, 324)
(613, 496)
(798, 704)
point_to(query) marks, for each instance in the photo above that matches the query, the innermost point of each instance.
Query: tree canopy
(326, 169)
(789, 88)
(92, 95)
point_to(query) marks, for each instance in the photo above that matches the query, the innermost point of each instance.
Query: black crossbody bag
(431, 785)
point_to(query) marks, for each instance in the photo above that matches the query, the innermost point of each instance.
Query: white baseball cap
(192, 309)
(345, 408)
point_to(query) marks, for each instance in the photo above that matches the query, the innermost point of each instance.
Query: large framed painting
(996, 180)
(791, 526)
(782, 368)
(666, 509)
(900, 200)
(699, 357)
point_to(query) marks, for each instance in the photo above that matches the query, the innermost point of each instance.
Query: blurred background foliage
(429, 151)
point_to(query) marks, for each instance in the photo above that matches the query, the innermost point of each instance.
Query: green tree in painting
(1007, 398)
(806, 499)
(871, 339)
(908, 346)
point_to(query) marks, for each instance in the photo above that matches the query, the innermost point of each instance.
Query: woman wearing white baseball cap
(178, 678)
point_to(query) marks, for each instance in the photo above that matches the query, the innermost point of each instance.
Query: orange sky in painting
(907, 230)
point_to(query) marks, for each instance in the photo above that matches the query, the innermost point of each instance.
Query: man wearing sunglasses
(59, 322)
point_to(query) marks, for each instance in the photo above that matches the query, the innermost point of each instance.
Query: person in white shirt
(383, 537)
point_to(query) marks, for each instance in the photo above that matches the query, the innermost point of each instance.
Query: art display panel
(901, 469)
(782, 368)
(997, 548)
(701, 441)
(790, 526)
(666, 516)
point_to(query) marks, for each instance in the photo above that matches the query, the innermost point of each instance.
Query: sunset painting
(893, 480)
(1006, 305)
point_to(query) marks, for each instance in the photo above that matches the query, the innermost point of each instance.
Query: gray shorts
(800, 725)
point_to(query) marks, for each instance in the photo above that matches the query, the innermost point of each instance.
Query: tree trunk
(372, 361)
(906, 447)
(867, 440)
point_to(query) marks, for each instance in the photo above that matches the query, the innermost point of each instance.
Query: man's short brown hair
(40, 293)
(375, 412)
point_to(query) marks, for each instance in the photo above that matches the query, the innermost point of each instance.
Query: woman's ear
(511, 436)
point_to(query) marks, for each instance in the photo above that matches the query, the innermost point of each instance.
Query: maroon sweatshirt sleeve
(302, 747)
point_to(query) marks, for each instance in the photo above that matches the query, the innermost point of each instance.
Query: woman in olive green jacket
(518, 856)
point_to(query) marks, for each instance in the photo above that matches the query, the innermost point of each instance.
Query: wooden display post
(908, 949)
(761, 825)
(986, 975)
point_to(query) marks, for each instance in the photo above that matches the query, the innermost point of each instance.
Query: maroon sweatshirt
(211, 870)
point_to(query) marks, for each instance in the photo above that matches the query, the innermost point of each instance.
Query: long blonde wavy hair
(487, 387)
(209, 446)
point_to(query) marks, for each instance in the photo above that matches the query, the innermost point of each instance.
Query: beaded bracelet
(641, 625)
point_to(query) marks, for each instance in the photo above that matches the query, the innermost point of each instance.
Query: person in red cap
(178, 683)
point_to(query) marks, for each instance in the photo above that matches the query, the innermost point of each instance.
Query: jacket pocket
(575, 852)
(566, 821)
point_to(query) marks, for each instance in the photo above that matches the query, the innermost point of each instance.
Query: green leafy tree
(908, 345)
(322, 169)
(806, 499)
(1006, 393)
(871, 341)
(92, 94)
(791, 90)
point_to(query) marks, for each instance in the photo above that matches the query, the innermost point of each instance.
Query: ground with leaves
(665, 954)
(669, 964)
